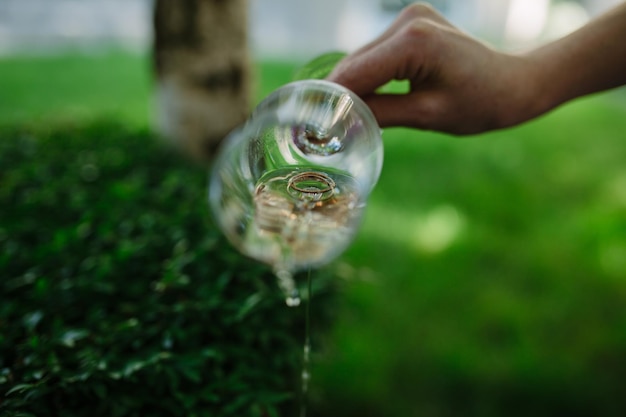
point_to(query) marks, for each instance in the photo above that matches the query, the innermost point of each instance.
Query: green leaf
(248, 305)
(319, 67)
(70, 337)
(20, 388)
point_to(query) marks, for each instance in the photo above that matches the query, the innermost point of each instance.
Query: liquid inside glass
(302, 217)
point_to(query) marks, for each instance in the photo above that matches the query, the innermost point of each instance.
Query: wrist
(527, 93)
(549, 83)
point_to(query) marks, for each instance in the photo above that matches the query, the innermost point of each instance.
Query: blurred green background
(489, 276)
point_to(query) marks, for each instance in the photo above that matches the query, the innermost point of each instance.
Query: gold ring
(311, 176)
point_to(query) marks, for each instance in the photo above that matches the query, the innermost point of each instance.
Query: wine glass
(289, 187)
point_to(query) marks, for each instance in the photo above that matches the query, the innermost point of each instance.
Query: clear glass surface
(289, 187)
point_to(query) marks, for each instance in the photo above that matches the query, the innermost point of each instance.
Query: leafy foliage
(117, 294)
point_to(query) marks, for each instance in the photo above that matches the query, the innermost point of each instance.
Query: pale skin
(461, 86)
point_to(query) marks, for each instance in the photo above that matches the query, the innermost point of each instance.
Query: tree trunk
(202, 69)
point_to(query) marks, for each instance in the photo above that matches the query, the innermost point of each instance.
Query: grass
(489, 276)
(69, 87)
(490, 273)
(75, 87)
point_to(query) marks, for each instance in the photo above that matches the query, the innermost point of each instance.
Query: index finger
(395, 58)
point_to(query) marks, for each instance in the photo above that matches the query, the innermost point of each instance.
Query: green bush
(119, 297)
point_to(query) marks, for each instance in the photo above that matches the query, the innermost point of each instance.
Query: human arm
(589, 60)
(461, 86)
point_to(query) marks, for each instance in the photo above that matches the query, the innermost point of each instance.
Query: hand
(461, 86)
(457, 84)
